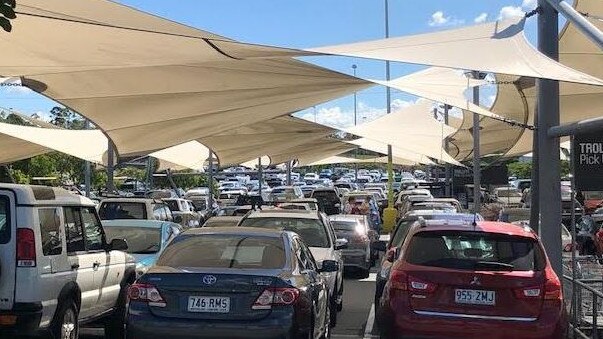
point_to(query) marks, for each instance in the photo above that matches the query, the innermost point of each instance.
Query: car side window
(168, 214)
(50, 223)
(330, 230)
(301, 256)
(158, 212)
(73, 230)
(310, 262)
(93, 230)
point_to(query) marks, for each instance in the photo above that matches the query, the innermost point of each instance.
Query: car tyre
(327, 325)
(65, 324)
(115, 327)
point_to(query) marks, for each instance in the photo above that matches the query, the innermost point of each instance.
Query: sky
(315, 23)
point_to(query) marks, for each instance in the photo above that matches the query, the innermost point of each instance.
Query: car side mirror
(392, 254)
(178, 219)
(118, 245)
(341, 244)
(329, 266)
(380, 246)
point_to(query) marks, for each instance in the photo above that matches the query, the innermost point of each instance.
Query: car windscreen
(468, 250)
(122, 210)
(141, 240)
(345, 225)
(224, 251)
(200, 204)
(311, 231)
(172, 205)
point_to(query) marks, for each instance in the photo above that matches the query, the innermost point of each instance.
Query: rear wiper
(498, 266)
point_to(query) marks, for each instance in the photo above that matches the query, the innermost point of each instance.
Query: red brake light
(552, 289)
(146, 293)
(275, 296)
(26, 248)
(398, 280)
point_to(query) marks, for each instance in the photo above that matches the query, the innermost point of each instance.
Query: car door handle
(75, 266)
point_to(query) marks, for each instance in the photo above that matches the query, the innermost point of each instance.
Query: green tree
(65, 118)
(521, 170)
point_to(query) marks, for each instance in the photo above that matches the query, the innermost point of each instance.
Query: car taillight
(146, 293)
(398, 280)
(552, 289)
(275, 296)
(26, 248)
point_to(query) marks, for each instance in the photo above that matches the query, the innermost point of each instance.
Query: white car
(57, 270)
(316, 231)
(311, 176)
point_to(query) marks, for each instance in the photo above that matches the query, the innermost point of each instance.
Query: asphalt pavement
(356, 320)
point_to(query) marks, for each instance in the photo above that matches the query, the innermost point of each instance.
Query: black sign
(588, 162)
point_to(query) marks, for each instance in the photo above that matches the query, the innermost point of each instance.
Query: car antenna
(474, 223)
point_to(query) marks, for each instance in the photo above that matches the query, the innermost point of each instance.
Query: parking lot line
(371, 278)
(370, 322)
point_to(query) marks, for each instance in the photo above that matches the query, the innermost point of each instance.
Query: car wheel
(115, 327)
(65, 323)
(309, 334)
(327, 325)
(339, 298)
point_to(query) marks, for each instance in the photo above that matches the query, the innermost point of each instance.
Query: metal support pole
(578, 127)
(110, 167)
(580, 22)
(289, 183)
(87, 167)
(535, 184)
(260, 177)
(448, 188)
(573, 230)
(476, 151)
(390, 177)
(387, 65)
(150, 169)
(548, 148)
(210, 181)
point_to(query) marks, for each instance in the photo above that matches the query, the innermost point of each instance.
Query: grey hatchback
(232, 283)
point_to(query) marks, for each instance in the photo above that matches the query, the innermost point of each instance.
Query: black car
(232, 283)
(398, 235)
(328, 199)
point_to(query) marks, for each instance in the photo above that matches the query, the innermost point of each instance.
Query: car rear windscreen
(465, 250)
(141, 240)
(311, 231)
(122, 210)
(224, 251)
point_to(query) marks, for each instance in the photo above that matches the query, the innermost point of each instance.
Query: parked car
(286, 193)
(350, 186)
(329, 200)
(417, 191)
(232, 283)
(202, 206)
(508, 196)
(58, 271)
(145, 238)
(184, 212)
(307, 190)
(393, 247)
(316, 231)
(134, 208)
(311, 177)
(222, 221)
(229, 198)
(457, 281)
(356, 230)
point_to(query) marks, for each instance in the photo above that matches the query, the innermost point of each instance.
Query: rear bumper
(27, 321)
(356, 258)
(408, 324)
(141, 323)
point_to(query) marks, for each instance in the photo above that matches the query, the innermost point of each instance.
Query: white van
(56, 269)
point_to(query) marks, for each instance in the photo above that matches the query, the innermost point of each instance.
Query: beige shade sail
(311, 151)
(412, 129)
(150, 83)
(496, 47)
(22, 142)
(189, 155)
(380, 147)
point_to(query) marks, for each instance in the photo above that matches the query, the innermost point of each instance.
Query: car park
(58, 271)
(463, 280)
(145, 238)
(134, 208)
(183, 212)
(355, 229)
(318, 234)
(232, 283)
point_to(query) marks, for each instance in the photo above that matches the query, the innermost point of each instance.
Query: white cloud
(481, 18)
(529, 5)
(509, 12)
(439, 19)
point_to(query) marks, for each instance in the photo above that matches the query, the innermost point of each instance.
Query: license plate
(475, 297)
(209, 304)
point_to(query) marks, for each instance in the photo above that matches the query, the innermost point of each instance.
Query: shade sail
(380, 147)
(265, 137)
(412, 129)
(496, 47)
(150, 83)
(345, 160)
(189, 155)
(311, 151)
(22, 142)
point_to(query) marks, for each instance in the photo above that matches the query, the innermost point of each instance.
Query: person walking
(348, 208)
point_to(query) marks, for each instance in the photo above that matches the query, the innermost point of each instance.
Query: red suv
(459, 280)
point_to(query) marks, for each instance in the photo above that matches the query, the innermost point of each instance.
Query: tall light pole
(475, 132)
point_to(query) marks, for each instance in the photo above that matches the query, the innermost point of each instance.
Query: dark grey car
(231, 283)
